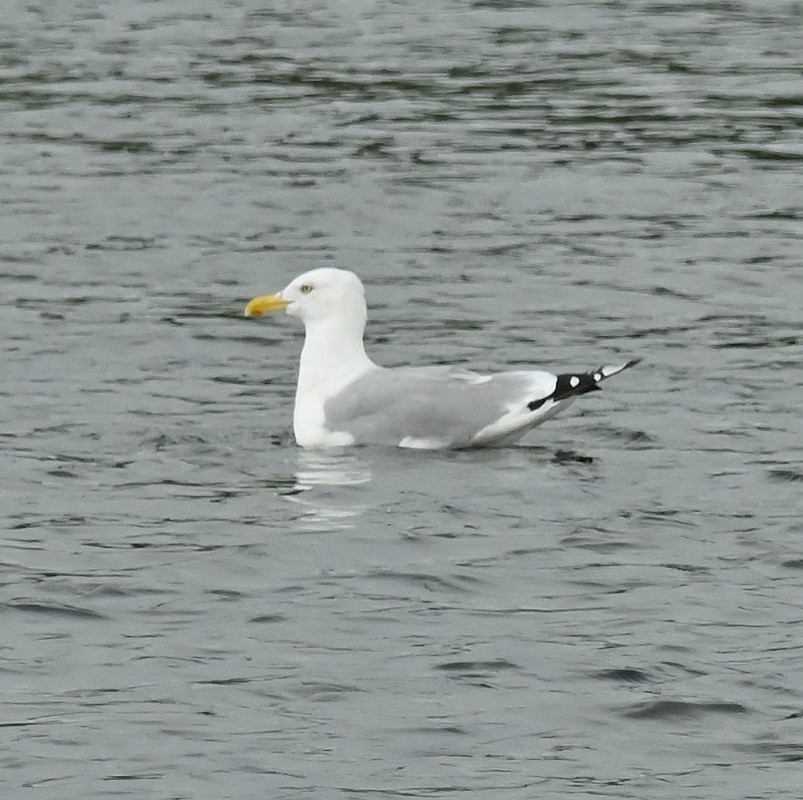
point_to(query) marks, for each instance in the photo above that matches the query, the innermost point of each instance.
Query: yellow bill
(264, 304)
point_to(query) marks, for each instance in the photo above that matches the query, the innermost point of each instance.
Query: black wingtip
(572, 384)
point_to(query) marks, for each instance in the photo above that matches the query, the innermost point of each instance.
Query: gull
(343, 398)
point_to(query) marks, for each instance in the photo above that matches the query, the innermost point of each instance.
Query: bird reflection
(330, 468)
(320, 478)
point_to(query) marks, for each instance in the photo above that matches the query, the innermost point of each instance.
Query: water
(194, 608)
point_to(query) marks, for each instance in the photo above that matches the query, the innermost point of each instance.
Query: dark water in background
(194, 608)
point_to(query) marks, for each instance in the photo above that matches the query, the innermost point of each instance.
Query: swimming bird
(343, 398)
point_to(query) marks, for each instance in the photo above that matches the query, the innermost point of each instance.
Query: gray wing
(436, 406)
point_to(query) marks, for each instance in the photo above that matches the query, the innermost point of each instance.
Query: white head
(316, 296)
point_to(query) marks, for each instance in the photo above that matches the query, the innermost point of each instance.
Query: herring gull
(343, 398)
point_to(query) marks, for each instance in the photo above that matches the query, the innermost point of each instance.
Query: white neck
(333, 352)
(333, 356)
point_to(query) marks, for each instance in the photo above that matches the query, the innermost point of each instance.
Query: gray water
(192, 607)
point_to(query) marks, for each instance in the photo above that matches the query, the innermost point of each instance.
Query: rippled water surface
(192, 607)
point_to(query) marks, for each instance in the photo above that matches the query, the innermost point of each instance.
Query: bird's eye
(306, 288)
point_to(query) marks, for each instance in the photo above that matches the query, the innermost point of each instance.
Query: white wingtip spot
(597, 377)
(574, 381)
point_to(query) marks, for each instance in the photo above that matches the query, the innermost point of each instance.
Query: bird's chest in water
(309, 420)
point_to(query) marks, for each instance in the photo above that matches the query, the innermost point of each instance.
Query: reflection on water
(327, 468)
(317, 470)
